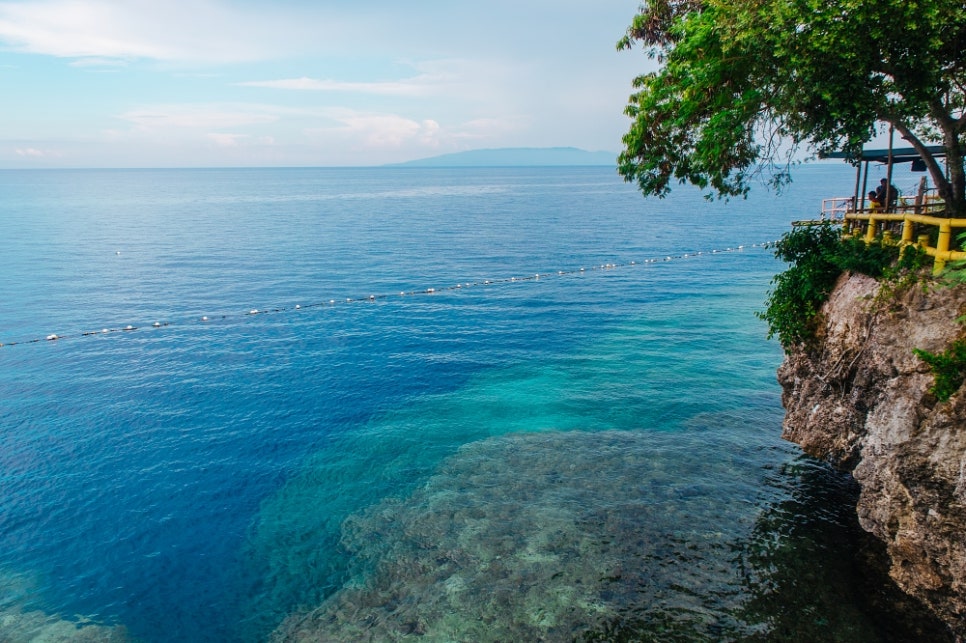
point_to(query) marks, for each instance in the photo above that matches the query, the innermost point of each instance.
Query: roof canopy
(899, 154)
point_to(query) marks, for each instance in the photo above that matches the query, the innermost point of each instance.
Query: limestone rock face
(860, 400)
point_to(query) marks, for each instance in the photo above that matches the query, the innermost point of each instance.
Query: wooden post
(888, 191)
(920, 195)
(858, 179)
(865, 185)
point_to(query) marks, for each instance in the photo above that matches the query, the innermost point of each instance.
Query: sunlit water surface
(348, 407)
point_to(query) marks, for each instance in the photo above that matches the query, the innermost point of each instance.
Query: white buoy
(297, 306)
(104, 330)
(51, 337)
(204, 318)
(253, 311)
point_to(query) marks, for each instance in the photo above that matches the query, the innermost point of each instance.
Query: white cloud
(208, 31)
(226, 140)
(386, 130)
(102, 64)
(339, 82)
(36, 153)
(429, 133)
(200, 116)
(400, 88)
(379, 131)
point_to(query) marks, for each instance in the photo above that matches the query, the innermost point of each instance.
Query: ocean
(409, 404)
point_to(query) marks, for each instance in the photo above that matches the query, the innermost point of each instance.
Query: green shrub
(949, 368)
(855, 255)
(817, 255)
(799, 292)
(956, 270)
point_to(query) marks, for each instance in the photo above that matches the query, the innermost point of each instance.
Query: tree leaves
(739, 76)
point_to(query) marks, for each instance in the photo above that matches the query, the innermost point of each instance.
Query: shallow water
(217, 480)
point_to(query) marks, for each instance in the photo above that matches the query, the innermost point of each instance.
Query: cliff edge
(860, 399)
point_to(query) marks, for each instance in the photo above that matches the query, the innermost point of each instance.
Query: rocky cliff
(860, 399)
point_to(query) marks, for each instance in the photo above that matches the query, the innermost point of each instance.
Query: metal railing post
(942, 247)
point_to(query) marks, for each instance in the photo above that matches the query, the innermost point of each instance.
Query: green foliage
(799, 292)
(905, 272)
(817, 256)
(949, 368)
(956, 270)
(855, 255)
(744, 84)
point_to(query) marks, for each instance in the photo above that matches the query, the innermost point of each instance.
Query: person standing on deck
(887, 195)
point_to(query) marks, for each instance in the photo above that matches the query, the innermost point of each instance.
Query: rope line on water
(204, 319)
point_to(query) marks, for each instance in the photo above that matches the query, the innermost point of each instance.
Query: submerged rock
(38, 627)
(550, 536)
(710, 534)
(20, 623)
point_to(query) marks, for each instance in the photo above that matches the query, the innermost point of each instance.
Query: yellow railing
(916, 221)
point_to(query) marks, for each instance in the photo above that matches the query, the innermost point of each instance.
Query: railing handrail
(836, 207)
(941, 252)
(929, 200)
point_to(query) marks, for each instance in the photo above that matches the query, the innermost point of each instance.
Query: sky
(222, 83)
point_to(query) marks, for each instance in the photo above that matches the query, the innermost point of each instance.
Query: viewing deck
(915, 220)
(920, 219)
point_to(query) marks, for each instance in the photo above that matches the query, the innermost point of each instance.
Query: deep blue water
(202, 480)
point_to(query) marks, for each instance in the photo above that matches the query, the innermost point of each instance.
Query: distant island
(516, 156)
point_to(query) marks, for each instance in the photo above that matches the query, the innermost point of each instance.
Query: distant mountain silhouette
(516, 156)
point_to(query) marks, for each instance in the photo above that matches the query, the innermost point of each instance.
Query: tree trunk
(951, 184)
(956, 202)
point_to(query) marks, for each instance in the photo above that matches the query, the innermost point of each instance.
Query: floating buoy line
(205, 319)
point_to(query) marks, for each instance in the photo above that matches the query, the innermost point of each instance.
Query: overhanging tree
(743, 85)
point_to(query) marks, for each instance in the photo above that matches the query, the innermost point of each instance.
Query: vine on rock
(949, 368)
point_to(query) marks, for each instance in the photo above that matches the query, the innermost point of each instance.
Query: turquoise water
(414, 436)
